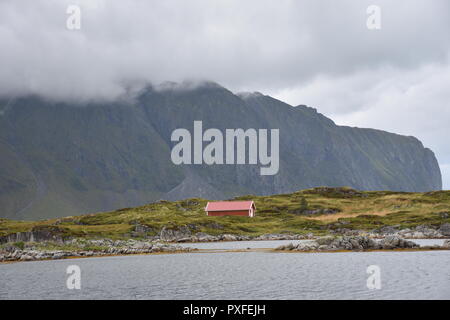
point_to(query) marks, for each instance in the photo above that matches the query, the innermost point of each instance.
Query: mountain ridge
(64, 159)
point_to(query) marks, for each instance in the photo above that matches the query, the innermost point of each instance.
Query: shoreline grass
(283, 214)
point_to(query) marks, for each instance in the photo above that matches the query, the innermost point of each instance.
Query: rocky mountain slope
(60, 159)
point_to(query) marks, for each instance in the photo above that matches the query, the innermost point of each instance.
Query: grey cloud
(413, 102)
(314, 52)
(237, 43)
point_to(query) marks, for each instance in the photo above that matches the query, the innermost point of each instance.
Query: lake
(235, 275)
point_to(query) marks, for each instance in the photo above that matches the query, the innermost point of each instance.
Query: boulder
(446, 244)
(444, 215)
(388, 230)
(37, 234)
(283, 247)
(351, 243)
(142, 229)
(308, 246)
(229, 237)
(25, 257)
(394, 242)
(428, 232)
(204, 237)
(173, 234)
(445, 229)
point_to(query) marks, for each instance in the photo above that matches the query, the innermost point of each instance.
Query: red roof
(229, 205)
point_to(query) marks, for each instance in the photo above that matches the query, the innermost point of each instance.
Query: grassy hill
(317, 210)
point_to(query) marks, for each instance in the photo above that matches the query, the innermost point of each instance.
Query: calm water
(235, 275)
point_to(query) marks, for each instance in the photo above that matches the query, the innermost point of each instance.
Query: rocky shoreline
(184, 234)
(358, 243)
(44, 244)
(78, 248)
(419, 232)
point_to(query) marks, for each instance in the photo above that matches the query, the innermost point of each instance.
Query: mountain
(60, 159)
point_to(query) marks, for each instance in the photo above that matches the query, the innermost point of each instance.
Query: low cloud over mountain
(318, 53)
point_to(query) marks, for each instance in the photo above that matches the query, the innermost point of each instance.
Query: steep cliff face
(61, 159)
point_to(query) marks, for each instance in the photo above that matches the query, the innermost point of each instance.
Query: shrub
(303, 204)
(19, 245)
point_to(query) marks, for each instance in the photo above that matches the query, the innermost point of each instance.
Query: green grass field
(284, 213)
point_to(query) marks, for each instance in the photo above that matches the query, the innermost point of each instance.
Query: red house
(231, 208)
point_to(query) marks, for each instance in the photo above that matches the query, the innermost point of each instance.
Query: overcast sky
(318, 53)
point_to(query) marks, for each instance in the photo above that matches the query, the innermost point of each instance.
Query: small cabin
(231, 208)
